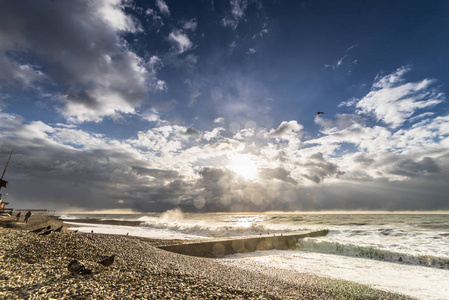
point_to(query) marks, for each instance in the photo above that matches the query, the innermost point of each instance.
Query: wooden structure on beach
(4, 183)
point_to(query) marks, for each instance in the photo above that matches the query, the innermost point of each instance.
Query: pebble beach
(34, 266)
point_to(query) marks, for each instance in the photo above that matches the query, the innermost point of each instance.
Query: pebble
(35, 267)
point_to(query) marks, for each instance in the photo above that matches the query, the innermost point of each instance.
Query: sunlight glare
(244, 166)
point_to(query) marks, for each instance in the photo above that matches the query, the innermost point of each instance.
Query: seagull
(76, 267)
(46, 232)
(107, 261)
(41, 229)
(59, 228)
(319, 113)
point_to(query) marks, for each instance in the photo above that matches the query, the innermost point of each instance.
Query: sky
(211, 106)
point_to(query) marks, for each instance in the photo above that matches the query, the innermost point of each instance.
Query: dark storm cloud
(45, 173)
(79, 46)
(317, 168)
(64, 178)
(410, 168)
(191, 132)
(156, 173)
(363, 159)
(277, 173)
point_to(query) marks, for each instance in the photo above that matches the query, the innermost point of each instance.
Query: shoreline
(36, 267)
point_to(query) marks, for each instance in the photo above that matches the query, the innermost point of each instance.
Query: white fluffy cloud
(163, 7)
(180, 40)
(85, 59)
(393, 101)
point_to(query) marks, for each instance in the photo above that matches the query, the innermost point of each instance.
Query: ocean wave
(68, 217)
(207, 231)
(176, 221)
(370, 252)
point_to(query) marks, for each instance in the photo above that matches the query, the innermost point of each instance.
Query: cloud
(18, 75)
(156, 173)
(162, 6)
(161, 169)
(351, 164)
(151, 115)
(410, 168)
(190, 25)
(232, 46)
(317, 168)
(219, 120)
(194, 90)
(91, 67)
(277, 173)
(238, 8)
(180, 40)
(213, 134)
(286, 130)
(156, 20)
(337, 64)
(251, 51)
(191, 132)
(393, 101)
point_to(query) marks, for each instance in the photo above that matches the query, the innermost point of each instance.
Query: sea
(403, 253)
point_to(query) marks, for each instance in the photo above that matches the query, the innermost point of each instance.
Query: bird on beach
(46, 232)
(75, 267)
(107, 261)
(75, 231)
(59, 228)
(319, 113)
(41, 229)
(38, 230)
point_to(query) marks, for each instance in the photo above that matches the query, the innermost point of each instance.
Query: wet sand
(35, 267)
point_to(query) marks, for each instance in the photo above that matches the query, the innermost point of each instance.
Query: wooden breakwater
(245, 245)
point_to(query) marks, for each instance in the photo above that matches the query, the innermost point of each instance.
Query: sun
(243, 165)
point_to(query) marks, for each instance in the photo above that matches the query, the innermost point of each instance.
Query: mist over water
(414, 246)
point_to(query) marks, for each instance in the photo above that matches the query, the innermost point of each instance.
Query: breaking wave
(321, 246)
(206, 231)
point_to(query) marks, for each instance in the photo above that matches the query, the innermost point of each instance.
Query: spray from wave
(172, 215)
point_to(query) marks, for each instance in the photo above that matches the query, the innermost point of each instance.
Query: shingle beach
(35, 267)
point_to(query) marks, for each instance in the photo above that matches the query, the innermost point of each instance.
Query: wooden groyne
(245, 245)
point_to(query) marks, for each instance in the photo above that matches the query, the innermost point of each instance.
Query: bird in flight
(319, 113)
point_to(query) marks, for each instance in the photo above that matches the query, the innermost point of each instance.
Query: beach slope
(35, 267)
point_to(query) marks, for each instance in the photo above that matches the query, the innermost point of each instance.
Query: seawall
(245, 245)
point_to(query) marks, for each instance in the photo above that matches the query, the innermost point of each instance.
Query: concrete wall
(226, 247)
